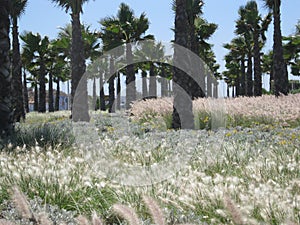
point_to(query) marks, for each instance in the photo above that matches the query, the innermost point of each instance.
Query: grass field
(241, 166)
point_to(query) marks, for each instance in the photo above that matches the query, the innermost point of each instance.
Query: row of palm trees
(247, 47)
(75, 44)
(56, 59)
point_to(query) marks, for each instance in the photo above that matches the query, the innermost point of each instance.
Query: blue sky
(44, 17)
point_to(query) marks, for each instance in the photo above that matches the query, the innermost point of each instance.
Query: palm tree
(111, 41)
(80, 110)
(252, 24)
(281, 82)
(238, 51)
(33, 79)
(199, 31)
(36, 49)
(16, 10)
(242, 29)
(59, 69)
(203, 31)
(129, 29)
(182, 116)
(6, 112)
(59, 66)
(151, 54)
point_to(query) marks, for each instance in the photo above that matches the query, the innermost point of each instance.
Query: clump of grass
(43, 135)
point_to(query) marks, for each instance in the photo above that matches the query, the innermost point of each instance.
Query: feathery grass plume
(234, 211)
(6, 222)
(82, 220)
(186, 224)
(155, 211)
(22, 205)
(127, 213)
(291, 223)
(96, 220)
(43, 219)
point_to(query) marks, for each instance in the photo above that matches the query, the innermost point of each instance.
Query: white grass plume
(234, 211)
(82, 220)
(155, 211)
(127, 213)
(96, 220)
(43, 219)
(6, 222)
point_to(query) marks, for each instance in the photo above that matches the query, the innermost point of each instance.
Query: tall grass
(237, 176)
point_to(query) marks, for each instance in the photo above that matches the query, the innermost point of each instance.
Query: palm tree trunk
(17, 97)
(144, 84)
(237, 85)
(271, 81)
(36, 98)
(216, 86)
(182, 116)
(164, 84)
(57, 96)
(280, 75)
(257, 66)
(111, 86)
(94, 105)
(228, 95)
(42, 91)
(243, 78)
(6, 112)
(50, 94)
(101, 94)
(25, 92)
(209, 84)
(79, 82)
(130, 77)
(197, 81)
(118, 91)
(170, 88)
(249, 81)
(152, 83)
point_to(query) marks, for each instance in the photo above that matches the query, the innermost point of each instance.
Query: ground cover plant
(245, 173)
